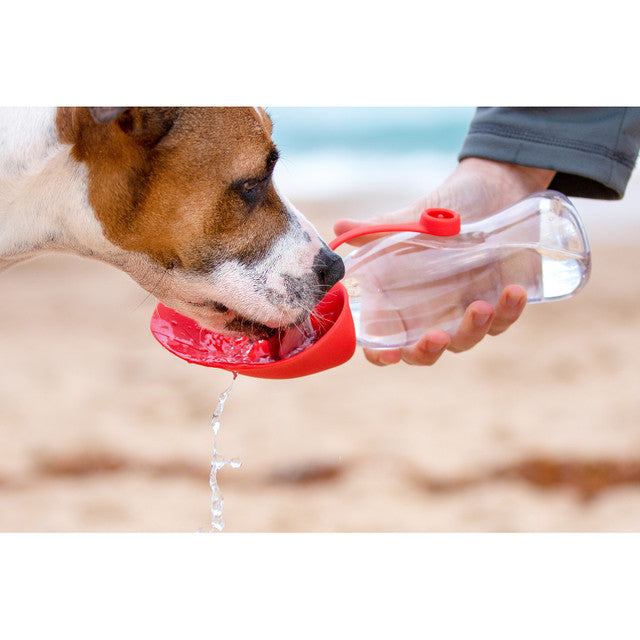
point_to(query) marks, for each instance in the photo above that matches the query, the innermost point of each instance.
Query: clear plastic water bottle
(402, 285)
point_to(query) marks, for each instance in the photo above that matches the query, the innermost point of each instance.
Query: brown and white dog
(181, 199)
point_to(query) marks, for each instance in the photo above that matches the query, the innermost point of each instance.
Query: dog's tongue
(296, 339)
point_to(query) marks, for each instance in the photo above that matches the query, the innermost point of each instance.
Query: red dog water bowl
(335, 342)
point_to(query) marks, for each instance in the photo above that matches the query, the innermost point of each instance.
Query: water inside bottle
(562, 278)
(395, 299)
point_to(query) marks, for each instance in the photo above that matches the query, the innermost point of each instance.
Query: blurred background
(350, 151)
(535, 430)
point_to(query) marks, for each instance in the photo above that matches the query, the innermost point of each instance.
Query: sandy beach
(535, 430)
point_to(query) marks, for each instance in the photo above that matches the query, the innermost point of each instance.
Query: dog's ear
(146, 124)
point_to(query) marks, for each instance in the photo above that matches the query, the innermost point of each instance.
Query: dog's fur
(181, 199)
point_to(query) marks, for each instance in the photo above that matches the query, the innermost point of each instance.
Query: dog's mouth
(237, 324)
(250, 328)
(258, 331)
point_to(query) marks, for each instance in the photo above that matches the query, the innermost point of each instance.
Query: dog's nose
(328, 267)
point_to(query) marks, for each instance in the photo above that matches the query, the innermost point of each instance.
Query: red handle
(435, 222)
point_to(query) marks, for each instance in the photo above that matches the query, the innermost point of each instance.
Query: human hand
(476, 189)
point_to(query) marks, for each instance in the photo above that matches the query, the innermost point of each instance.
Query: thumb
(410, 213)
(406, 214)
(346, 224)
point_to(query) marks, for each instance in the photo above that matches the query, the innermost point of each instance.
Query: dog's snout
(328, 267)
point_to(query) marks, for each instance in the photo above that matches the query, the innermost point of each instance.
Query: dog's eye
(250, 186)
(252, 191)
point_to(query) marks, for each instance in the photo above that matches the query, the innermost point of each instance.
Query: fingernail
(512, 300)
(434, 347)
(389, 357)
(480, 319)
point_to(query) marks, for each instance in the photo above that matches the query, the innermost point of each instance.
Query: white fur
(44, 207)
(43, 203)
(261, 115)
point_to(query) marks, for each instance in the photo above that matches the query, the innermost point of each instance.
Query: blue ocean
(333, 151)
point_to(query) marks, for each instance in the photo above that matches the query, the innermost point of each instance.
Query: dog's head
(190, 191)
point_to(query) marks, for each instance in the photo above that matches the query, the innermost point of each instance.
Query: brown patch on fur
(161, 181)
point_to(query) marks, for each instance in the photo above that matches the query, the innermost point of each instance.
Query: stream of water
(218, 462)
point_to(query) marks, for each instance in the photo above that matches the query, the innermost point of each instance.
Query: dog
(180, 198)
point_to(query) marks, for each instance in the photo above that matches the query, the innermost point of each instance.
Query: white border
(332, 53)
(319, 586)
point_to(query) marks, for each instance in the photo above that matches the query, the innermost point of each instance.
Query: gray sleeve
(593, 149)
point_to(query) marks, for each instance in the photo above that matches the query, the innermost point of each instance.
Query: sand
(103, 430)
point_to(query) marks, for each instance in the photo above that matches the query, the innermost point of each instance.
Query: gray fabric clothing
(593, 149)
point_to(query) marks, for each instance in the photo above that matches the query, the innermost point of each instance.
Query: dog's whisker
(152, 292)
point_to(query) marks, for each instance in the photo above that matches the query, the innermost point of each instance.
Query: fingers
(480, 319)
(382, 358)
(475, 325)
(425, 353)
(510, 305)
